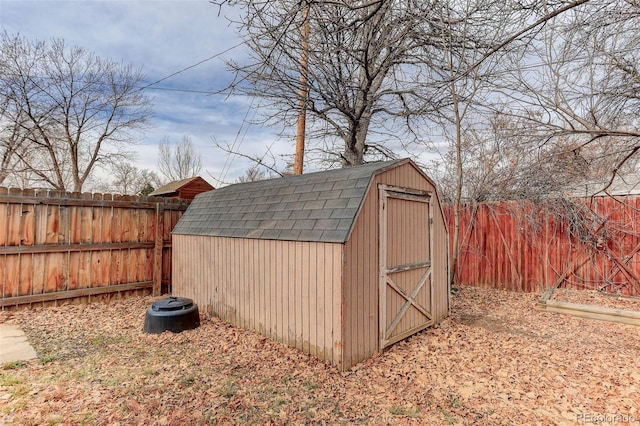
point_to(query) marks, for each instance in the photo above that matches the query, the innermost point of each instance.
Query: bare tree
(14, 122)
(252, 174)
(474, 37)
(370, 66)
(178, 163)
(583, 86)
(76, 111)
(12, 140)
(129, 179)
(366, 72)
(468, 29)
(502, 162)
(562, 123)
(560, 110)
(457, 49)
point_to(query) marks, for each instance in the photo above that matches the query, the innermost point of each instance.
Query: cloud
(160, 37)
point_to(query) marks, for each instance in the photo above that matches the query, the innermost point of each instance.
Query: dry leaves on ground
(495, 360)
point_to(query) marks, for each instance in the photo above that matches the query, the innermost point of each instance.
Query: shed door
(406, 291)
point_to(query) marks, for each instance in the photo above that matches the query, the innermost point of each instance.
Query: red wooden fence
(58, 245)
(519, 246)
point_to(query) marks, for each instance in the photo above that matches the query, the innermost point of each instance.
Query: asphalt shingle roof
(319, 207)
(172, 187)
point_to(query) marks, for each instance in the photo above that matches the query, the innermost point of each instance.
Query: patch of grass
(286, 378)
(14, 365)
(275, 406)
(55, 421)
(309, 385)
(101, 341)
(279, 401)
(454, 400)
(48, 359)
(89, 372)
(228, 389)
(188, 380)
(15, 407)
(89, 419)
(237, 372)
(111, 381)
(404, 412)
(19, 390)
(7, 380)
(267, 393)
(213, 416)
(150, 371)
(448, 417)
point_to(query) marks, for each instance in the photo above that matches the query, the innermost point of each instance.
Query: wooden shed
(185, 188)
(339, 264)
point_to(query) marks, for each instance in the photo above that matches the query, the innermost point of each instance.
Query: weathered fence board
(56, 245)
(519, 246)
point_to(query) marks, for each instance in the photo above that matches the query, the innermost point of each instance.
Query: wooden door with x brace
(406, 293)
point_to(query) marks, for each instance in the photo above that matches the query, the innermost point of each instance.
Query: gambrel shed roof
(318, 207)
(185, 188)
(360, 252)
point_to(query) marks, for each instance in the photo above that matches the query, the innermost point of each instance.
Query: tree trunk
(459, 181)
(355, 141)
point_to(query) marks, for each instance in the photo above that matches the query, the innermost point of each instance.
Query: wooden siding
(518, 246)
(193, 188)
(288, 291)
(362, 259)
(57, 245)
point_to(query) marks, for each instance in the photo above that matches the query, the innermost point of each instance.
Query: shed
(184, 188)
(339, 264)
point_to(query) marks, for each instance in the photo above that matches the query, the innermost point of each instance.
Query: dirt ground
(495, 360)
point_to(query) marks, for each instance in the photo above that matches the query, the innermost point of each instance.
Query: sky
(163, 37)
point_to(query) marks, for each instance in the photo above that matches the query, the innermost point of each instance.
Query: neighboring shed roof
(319, 206)
(624, 184)
(172, 188)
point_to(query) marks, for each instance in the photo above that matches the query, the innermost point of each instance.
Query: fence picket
(515, 246)
(57, 245)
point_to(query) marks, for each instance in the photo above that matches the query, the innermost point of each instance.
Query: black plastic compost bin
(175, 314)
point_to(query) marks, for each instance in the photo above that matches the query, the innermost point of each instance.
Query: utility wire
(193, 66)
(200, 92)
(237, 142)
(502, 70)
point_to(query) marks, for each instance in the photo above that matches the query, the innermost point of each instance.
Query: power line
(147, 87)
(201, 92)
(237, 141)
(502, 70)
(150, 85)
(193, 66)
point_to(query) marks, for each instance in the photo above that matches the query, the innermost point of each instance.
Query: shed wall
(362, 260)
(288, 291)
(197, 186)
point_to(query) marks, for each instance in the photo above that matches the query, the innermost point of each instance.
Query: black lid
(172, 304)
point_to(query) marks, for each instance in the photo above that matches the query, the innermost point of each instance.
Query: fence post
(157, 250)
